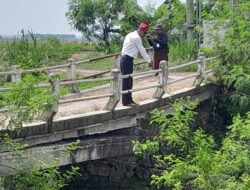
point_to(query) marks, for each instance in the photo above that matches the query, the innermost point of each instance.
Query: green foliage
(36, 170)
(235, 55)
(26, 102)
(96, 19)
(235, 51)
(133, 15)
(181, 52)
(24, 52)
(172, 16)
(28, 51)
(107, 20)
(189, 159)
(49, 179)
(237, 82)
(215, 9)
(37, 174)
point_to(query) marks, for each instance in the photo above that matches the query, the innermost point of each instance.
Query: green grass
(28, 51)
(185, 52)
(181, 52)
(53, 51)
(66, 89)
(104, 64)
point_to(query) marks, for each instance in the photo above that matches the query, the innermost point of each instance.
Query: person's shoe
(156, 74)
(132, 104)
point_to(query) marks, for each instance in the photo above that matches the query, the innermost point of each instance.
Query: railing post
(117, 61)
(55, 83)
(201, 69)
(116, 90)
(162, 80)
(16, 76)
(71, 69)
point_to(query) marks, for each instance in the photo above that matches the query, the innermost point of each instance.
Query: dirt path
(80, 107)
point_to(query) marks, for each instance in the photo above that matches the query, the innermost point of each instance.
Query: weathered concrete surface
(92, 149)
(87, 127)
(81, 107)
(104, 121)
(121, 173)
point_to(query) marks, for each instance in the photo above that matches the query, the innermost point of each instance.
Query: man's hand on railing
(150, 64)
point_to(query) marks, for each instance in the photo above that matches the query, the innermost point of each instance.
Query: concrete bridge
(106, 132)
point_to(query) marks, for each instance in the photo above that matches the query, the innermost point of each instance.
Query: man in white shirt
(131, 46)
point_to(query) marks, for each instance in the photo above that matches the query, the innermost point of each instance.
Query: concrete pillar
(117, 61)
(115, 89)
(16, 76)
(201, 69)
(55, 83)
(162, 80)
(71, 69)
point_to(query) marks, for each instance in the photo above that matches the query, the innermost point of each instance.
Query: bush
(193, 160)
(235, 55)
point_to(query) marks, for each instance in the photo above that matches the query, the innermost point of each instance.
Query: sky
(40, 16)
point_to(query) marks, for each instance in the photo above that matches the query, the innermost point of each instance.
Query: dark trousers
(159, 56)
(126, 65)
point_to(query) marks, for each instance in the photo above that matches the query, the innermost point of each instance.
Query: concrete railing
(16, 72)
(116, 78)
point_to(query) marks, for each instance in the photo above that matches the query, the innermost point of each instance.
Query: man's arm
(150, 40)
(162, 41)
(142, 50)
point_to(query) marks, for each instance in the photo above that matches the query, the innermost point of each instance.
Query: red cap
(144, 27)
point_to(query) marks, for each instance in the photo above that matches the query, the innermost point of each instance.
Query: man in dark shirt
(159, 42)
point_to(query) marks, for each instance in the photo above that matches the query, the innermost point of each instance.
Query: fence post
(162, 80)
(201, 69)
(16, 76)
(115, 89)
(55, 83)
(71, 69)
(117, 61)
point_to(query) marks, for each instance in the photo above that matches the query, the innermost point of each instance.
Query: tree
(104, 19)
(95, 19)
(172, 16)
(235, 55)
(133, 14)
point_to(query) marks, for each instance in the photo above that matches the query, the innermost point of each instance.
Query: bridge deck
(80, 107)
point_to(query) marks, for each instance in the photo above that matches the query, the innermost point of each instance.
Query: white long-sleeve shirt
(132, 45)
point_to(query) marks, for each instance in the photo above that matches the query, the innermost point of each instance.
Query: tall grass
(181, 52)
(29, 51)
(24, 51)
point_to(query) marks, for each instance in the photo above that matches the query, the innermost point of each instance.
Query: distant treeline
(43, 36)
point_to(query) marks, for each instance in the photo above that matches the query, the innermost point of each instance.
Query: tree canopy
(100, 19)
